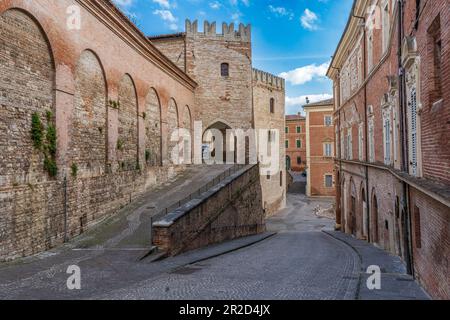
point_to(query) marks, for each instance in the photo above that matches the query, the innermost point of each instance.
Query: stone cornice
(348, 37)
(117, 22)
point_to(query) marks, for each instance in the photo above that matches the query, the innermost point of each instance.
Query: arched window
(225, 70)
(272, 105)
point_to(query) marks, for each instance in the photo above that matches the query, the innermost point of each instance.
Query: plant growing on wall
(114, 104)
(120, 144)
(148, 155)
(36, 130)
(74, 170)
(48, 148)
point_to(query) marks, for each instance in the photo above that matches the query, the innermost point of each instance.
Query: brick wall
(387, 228)
(265, 88)
(230, 210)
(293, 152)
(45, 64)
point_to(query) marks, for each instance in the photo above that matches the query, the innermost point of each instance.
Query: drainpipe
(404, 139)
(366, 140)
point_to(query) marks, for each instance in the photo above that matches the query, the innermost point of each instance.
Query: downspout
(404, 138)
(366, 127)
(338, 156)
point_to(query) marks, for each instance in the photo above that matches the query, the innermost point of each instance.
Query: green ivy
(36, 131)
(74, 169)
(120, 144)
(50, 166)
(49, 147)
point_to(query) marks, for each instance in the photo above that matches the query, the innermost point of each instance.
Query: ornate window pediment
(409, 51)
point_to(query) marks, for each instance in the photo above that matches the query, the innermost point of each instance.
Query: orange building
(296, 143)
(320, 149)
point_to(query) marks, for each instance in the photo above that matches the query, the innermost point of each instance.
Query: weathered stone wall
(89, 131)
(230, 210)
(75, 79)
(265, 88)
(27, 86)
(173, 48)
(218, 98)
(127, 143)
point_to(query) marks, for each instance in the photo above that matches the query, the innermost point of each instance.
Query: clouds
(163, 3)
(281, 12)
(306, 74)
(309, 20)
(294, 104)
(165, 14)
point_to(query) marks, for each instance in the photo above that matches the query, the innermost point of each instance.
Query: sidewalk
(395, 283)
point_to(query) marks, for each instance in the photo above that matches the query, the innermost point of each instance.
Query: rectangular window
(361, 142)
(343, 154)
(299, 144)
(299, 160)
(328, 150)
(435, 59)
(287, 144)
(281, 178)
(286, 130)
(387, 140)
(299, 129)
(328, 121)
(349, 144)
(371, 142)
(370, 51)
(386, 26)
(329, 181)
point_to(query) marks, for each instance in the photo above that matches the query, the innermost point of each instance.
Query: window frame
(222, 73)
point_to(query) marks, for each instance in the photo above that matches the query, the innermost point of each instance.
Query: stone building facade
(87, 108)
(231, 94)
(295, 143)
(392, 114)
(320, 149)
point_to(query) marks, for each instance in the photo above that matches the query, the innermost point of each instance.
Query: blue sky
(291, 38)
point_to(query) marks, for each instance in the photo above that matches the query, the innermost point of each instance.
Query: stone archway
(215, 143)
(375, 237)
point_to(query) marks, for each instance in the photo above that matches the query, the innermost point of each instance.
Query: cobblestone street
(294, 260)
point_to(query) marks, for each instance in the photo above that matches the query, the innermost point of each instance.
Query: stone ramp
(130, 229)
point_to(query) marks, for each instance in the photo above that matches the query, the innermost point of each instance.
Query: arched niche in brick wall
(172, 133)
(152, 121)
(27, 83)
(127, 141)
(88, 125)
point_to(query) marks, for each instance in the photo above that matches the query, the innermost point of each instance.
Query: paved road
(298, 262)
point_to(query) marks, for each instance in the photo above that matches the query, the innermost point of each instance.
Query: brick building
(102, 103)
(392, 115)
(295, 143)
(320, 149)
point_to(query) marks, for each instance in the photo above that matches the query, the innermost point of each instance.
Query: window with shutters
(385, 18)
(328, 121)
(370, 50)
(387, 139)
(395, 135)
(343, 150)
(361, 142)
(328, 150)
(299, 144)
(286, 130)
(349, 145)
(371, 141)
(413, 131)
(287, 144)
(299, 129)
(435, 60)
